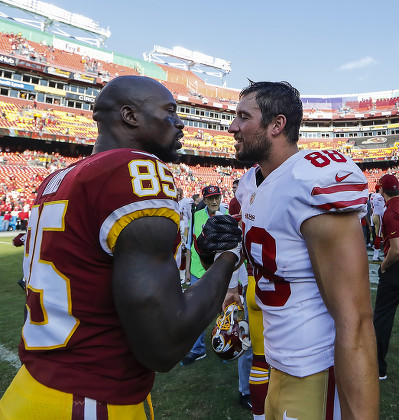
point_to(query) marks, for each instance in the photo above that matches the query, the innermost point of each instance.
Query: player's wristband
(236, 251)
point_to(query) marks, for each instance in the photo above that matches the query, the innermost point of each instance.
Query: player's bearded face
(166, 152)
(254, 149)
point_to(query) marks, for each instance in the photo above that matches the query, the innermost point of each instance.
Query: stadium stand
(47, 94)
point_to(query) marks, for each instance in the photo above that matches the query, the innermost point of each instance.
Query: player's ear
(129, 115)
(279, 123)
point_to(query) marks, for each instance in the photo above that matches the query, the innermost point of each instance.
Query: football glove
(220, 233)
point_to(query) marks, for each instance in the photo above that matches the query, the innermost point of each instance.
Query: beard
(166, 153)
(256, 150)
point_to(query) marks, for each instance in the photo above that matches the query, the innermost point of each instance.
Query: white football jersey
(377, 203)
(299, 332)
(185, 212)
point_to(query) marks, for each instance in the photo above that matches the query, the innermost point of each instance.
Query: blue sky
(336, 47)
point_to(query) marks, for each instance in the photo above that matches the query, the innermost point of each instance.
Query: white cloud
(363, 62)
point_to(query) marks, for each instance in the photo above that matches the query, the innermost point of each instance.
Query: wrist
(231, 253)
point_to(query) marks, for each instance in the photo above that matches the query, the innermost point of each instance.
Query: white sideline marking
(6, 243)
(10, 357)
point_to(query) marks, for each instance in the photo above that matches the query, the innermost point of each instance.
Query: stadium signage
(83, 98)
(84, 78)
(16, 85)
(52, 90)
(31, 65)
(7, 60)
(59, 72)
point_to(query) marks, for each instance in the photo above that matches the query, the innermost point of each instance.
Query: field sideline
(208, 389)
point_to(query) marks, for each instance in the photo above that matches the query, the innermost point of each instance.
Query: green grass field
(208, 389)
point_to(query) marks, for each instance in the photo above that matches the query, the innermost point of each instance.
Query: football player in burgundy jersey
(101, 272)
(303, 238)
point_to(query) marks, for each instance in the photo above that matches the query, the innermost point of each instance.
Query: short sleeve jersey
(390, 222)
(299, 332)
(72, 339)
(377, 204)
(234, 206)
(185, 212)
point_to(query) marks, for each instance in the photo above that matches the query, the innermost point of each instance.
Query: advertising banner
(52, 90)
(84, 98)
(33, 65)
(6, 59)
(16, 85)
(84, 78)
(59, 72)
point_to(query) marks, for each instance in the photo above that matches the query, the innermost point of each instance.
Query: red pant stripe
(330, 394)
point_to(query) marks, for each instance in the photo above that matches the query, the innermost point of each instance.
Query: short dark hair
(236, 181)
(274, 98)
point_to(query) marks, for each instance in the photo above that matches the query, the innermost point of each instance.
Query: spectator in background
(197, 199)
(6, 221)
(194, 269)
(388, 286)
(185, 209)
(234, 205)
(253, 370)
(377, 207)
(185, 205)
(366, 227)
(23, 216)
(245, 360)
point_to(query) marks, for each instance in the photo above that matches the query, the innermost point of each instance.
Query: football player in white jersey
(377, 205)
(301, 233)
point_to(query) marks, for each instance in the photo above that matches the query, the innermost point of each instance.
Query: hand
(220, 233)
(232, 296)
(381, 270)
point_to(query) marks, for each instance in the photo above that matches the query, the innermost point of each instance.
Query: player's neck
(278, 155)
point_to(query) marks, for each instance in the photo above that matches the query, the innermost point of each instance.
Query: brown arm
(160, 321)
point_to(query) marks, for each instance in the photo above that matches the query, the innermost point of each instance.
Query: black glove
(220, 233)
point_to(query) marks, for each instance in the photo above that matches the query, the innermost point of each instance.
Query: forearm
(200, 304)
(356, 372)
(206, 296)
(160, 321)
(177, 320)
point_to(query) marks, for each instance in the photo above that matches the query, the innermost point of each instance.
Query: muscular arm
(161, 322)
(392, 255)
(339, 259)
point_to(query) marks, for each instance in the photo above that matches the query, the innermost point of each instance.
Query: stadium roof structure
(190, 60)
(51, 18)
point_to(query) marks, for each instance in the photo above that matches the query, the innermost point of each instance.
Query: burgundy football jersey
(72, 339)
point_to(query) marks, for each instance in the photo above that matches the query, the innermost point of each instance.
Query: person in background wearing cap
(194, 269)
(388, 287)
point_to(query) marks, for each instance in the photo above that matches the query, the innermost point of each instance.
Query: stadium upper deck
(48, 85)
